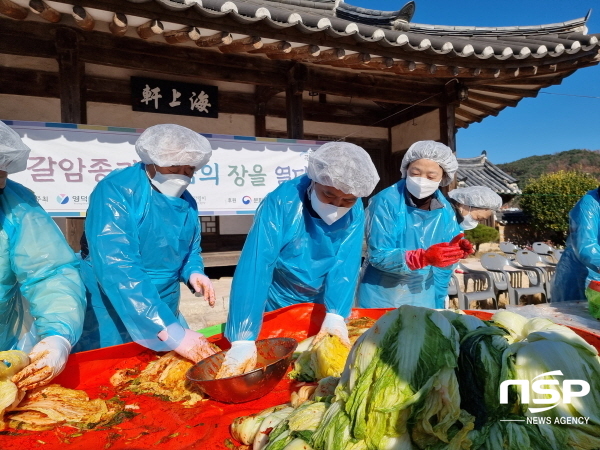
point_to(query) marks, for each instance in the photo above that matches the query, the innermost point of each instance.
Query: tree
(548, 200)
(481, 235)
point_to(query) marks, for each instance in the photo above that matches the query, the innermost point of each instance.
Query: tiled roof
(388, 30)
(479, 171)
(498, 65)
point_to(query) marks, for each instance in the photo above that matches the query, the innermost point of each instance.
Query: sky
(537, 126)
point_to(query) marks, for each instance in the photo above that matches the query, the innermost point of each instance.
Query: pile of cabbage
(423, 379)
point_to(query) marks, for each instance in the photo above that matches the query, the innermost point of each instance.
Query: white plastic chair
(479, 277)
(531, 261)
(496, 264)
(509, 249)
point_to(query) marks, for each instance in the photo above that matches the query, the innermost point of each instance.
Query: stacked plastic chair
(497, 265)
(480, 278)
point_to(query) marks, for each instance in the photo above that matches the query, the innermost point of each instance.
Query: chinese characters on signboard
(174, 97)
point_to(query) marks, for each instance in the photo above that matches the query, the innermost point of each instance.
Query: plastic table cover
(167, 425)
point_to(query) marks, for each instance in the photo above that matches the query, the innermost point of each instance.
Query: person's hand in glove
(188, 343)
(48, 358)
(438, 255)
(239, 359)
(334, 325)
(201, 283)
(466, 246)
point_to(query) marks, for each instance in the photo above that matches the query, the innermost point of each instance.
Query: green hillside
(527, 168)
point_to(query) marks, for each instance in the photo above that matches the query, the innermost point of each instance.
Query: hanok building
(319, 69)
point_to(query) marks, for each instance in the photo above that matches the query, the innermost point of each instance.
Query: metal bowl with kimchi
(274, 357)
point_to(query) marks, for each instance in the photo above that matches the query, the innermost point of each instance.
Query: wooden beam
(35, 83)
(508, 90)
(40, 8)
(298, 53)
(491, 99)
(149, 29)
(469, 115)
(380, 63)
(274, 47)
(83, 19)
(461, 123)
(71, 77)
(356, 59)
(477, 106)
(242, 45)
(414, 68)
(118, 24)
(180, 36)
(34, 39)
(220, 38)
(401, 114)
(13, 10)
(331, 54)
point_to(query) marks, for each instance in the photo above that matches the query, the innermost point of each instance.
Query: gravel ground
(196, 310)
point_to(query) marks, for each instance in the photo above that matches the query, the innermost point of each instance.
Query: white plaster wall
(19, 107)
(425, 127)
(330, 129)
(122, 116)
(235, 224)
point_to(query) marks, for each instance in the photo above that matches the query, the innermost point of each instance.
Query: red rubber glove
(438, 255)
(466, 246)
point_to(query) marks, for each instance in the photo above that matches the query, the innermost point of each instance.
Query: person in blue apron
(474, 204)
(304, 247)
(412, 230)
(142, 238)
(42, 298)
(580, 262)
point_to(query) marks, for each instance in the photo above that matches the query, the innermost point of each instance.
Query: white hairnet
(13, 151)
(173, 145)
(435, 151)
(477, 197)
(344, 166)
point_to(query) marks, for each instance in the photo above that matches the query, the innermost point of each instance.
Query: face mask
(329, 213)
(421, 187)
(170, 184)
(468, 222)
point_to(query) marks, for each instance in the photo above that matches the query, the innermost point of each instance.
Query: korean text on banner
(67, 161)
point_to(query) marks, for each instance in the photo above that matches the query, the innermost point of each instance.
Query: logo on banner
(63, 199)
(246, 200)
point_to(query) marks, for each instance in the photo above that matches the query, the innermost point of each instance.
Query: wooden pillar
(260, 120)
(293, 102)
(72, 104)
(447, 126)
(262, 94)
(454, 93)
(74, 231)
(72, 77)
